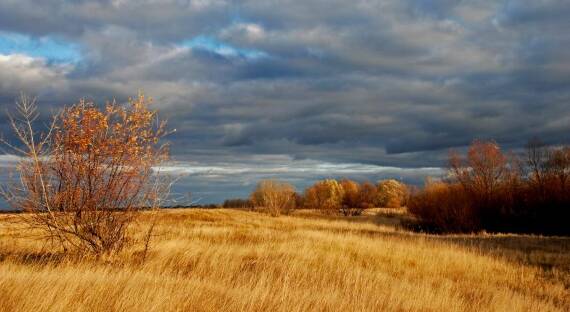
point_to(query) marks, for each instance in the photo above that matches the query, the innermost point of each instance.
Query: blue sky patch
(52, 49)
(211, 44)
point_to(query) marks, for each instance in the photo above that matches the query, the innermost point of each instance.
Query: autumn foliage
(350, 205)
(391, 194)
(83, 181)
(351, 198)
(326, 195)
(367, 195)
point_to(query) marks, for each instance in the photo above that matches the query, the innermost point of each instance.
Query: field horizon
(238, 260)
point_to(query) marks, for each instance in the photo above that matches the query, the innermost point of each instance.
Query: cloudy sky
(302, 90)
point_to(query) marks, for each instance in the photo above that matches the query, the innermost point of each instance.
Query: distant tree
(367, 195)
(537, 156)
(391, 194)
(482, 172)
(350, 201)
(299, 200)
(326, 195)
(558, 165)
(274, 196)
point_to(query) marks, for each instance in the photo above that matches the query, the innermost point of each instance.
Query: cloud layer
(376, 83)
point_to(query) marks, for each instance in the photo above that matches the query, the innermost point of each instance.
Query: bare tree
(274, 196)
(558, 165)
(483, 170)
(82, 182)
(537, 155)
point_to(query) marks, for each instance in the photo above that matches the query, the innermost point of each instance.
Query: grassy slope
(211, 260)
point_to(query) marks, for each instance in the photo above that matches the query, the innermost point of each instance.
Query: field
(234, 260)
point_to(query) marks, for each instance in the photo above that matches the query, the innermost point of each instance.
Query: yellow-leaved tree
(391, 194)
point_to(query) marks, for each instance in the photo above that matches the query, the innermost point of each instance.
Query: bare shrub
(274, 196)
(83, 181)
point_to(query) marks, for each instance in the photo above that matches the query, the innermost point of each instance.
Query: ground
(235, 260)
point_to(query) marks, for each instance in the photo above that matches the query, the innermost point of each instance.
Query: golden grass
(231, 260)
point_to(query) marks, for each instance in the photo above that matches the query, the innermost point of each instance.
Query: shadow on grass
(551, 254)
(35, 258)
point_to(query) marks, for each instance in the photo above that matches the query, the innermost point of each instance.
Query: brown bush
(82, 183)
(443, 207)
(367, 195)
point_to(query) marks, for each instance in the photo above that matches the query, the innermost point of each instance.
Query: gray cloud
(385, 83)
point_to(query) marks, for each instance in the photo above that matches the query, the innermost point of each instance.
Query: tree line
(346, 197)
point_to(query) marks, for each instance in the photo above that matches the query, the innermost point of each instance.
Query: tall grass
(230, 260)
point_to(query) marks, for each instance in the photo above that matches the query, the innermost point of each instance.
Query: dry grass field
(232, 260)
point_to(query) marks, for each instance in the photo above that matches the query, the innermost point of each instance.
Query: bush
(82, 183)
(443, 207)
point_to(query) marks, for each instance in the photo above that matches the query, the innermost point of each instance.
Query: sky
(302, 90)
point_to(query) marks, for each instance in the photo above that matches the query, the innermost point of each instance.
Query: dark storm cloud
(380, 83)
